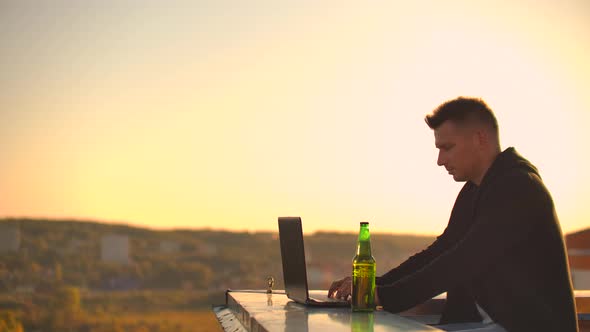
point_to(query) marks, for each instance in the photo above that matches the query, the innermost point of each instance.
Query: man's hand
(341, 289)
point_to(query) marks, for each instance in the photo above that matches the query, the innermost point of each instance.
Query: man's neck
(487, 164)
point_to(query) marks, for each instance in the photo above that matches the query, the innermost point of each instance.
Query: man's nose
(440, 161)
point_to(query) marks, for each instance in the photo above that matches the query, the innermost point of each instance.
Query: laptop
(294, 268)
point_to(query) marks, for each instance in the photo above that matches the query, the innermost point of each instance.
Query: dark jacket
(502, 249)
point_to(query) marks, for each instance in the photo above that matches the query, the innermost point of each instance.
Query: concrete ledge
(227, 320)
(429, 311)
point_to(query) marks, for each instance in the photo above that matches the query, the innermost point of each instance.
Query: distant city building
(578, 250)
(76, 244)
(9, 237)
(207, 249)
(24, 289)
(169, 247)
(115, 249)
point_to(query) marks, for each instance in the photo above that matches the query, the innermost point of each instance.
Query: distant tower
(115, 249)
(9, 237)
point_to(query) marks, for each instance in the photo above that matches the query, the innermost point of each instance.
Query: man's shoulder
(518, 176)
(520, 183)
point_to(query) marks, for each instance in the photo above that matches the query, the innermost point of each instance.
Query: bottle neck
(363, 247)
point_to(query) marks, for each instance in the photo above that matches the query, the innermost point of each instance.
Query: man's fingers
(330, 292)
(335, 286)
(341, 288)
(345, 289)
(332, 289)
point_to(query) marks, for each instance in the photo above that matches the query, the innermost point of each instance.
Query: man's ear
(482, 137)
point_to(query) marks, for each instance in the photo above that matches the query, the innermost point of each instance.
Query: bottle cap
(364, 222)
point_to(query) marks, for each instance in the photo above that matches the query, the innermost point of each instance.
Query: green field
(181, 321)
(139, 311)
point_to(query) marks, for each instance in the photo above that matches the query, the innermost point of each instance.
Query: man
(502, 253)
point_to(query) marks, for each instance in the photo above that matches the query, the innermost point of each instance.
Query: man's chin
(458, 178)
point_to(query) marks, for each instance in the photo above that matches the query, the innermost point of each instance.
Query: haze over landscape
(226, 114)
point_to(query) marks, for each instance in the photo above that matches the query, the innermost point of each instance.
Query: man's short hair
(463, 110)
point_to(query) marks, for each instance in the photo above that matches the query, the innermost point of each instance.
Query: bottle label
(363, 287)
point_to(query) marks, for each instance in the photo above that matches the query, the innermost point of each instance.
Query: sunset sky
(227, 114)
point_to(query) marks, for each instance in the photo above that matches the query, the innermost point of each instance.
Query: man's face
(458, 151)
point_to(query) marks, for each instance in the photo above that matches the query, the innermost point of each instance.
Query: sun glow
(225, 117)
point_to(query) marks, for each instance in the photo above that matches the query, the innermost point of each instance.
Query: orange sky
(228, 114)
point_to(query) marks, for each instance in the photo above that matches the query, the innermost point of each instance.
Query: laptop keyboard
(322, 297)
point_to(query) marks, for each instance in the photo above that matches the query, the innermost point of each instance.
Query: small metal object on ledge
(270, 282)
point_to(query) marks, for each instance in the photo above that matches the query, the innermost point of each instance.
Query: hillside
(202, 259)
(58, 275)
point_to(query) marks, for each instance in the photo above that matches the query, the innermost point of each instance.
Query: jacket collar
(506, 160)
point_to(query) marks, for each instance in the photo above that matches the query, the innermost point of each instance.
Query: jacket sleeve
(505, 217)
(460, 306)
(450, 236)
(417, 261)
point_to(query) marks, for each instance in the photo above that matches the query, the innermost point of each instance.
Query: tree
(200, 274)
(58, 274)
(9, 322)
(68, 298)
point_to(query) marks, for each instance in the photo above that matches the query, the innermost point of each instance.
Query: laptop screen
(293, 258)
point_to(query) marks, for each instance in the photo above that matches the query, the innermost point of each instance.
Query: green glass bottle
(364, 269)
